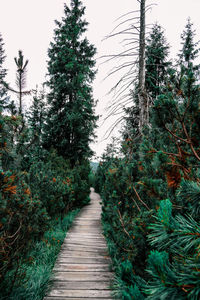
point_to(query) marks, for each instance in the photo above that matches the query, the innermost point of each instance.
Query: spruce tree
(36, 118)
(190, 50)
(188, 69)
(71, 120)
(157, 66)
(157, 63)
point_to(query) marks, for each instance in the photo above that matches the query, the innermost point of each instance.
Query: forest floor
(82, 270)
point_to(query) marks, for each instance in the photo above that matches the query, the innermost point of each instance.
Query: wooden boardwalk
(82, 268)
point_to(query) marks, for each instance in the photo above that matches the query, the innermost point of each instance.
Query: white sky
(28, 25)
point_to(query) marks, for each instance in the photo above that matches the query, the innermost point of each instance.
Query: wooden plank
(82, 270)
(85, 231)
(84, 245)
(84, 253)
(84, 248)
(83, 260)
(83, 222)
(86, 219)
(85, 242)
(82, 276)
(82, 285)
(70, 298)
(85, 237)
(81, 293)
(81, 267)
(85, 234)
(86, 226)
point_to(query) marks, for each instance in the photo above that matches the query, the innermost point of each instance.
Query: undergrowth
(40, 261)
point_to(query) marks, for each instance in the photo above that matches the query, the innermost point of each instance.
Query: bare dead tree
(132, 26)
(20, 80)
(142, 95)
(21, 77)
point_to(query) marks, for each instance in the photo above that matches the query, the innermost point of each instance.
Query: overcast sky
(28, 25)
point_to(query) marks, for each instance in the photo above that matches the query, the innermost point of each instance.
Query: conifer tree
(176, 109)
(156, 74)
(189, 51)
(20, 82)
(36, 117)
(71, 119)
(157, 63)
(188, 69)
(21, 77)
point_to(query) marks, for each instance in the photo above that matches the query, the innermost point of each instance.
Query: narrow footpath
(82, 268)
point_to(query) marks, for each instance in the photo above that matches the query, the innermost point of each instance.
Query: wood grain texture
(82, 270)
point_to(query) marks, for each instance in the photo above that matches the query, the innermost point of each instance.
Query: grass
(40, 262)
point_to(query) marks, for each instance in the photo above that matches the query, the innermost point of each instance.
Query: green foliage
(189, 49)
(164, 284)
(174, 271)
(160, 230)
(70, 120)
(154, 243)
(37, 265)
(40, 189)
(157, 64)
(36, 119)
(188, 196)
(21, 215)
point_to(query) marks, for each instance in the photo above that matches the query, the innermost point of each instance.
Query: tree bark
(142, 95)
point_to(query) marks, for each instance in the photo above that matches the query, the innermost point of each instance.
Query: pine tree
(176, 111)
(36, 118)
(165, 164)
(174, 265)
(71, 119)
(20, 82)
(21, 77)
(157, 63)
(156, 74)
(36, 115)
(188, 69)
(190, 50)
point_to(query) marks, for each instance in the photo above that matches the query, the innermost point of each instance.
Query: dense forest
(148, 179)
(44, 157)
(150, 182)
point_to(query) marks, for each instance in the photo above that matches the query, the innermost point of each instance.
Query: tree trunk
(20, 92)
(142, 95)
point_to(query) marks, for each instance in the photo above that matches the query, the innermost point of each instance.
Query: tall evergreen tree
(190, 50)
(21, 77)
(20, 82)
(156, 73)
(71, 119)
(188, 69)
(36, 117)
(157, 63)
